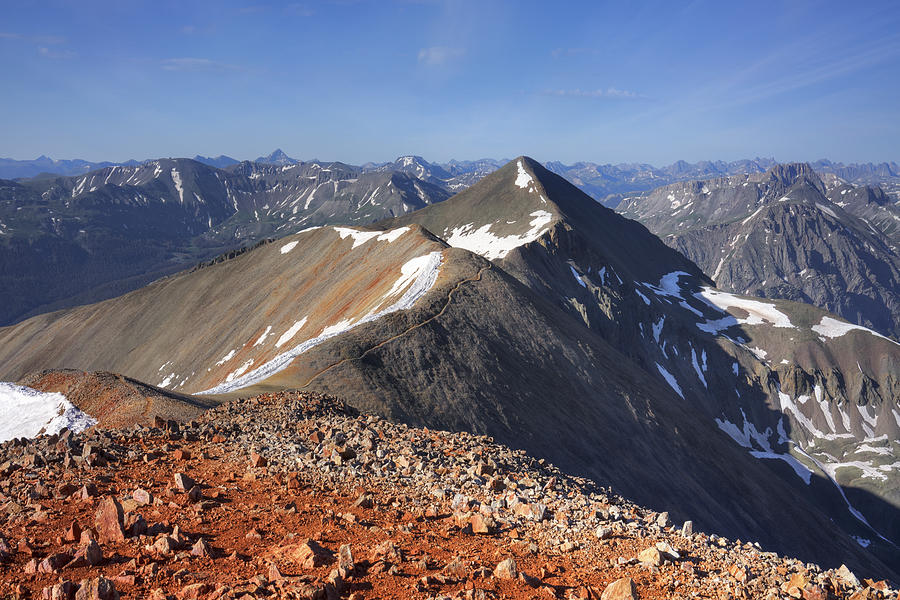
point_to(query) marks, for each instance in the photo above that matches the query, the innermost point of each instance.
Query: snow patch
(262, 337)
(176, 179)
(832, 328)
(226, 358)
(523, 179)
(290, 333)
(288, 247)
(577, 277)
(697, 367)
(758, 312)
(26, 412)
(491, 246)
(670, 379)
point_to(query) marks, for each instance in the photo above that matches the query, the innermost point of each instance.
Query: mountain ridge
(573, 327)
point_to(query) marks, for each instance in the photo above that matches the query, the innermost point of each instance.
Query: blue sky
(371, 80)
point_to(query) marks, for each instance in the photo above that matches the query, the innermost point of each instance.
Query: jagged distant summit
(788, 234)
(277, 157)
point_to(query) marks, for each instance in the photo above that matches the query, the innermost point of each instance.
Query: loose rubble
(296, 495)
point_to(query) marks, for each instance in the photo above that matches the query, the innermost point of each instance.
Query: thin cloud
(299, 10)
(560, 52)
(50, 40)
(55, 54)
(439, 55)
(196, 64)
(597, 93)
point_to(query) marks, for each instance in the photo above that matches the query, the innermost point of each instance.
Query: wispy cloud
(560, 52)
(196, 64)
(299, 9)
(439, 55)
(188, 29)
(55, 54)
(597, 93)
(50, 40)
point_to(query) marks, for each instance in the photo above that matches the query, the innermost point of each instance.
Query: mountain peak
(277, 157)
(790, 173)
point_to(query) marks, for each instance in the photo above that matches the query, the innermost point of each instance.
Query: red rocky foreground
(297, 496)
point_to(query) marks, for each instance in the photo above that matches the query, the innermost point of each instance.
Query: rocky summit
(297, 495)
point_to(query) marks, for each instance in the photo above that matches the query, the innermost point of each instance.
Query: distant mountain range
(607, 183)
(519, 308)
(72, 240)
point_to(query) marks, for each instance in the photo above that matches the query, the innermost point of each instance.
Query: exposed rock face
(786, 235)
(109, 521)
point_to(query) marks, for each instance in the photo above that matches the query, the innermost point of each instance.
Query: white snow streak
(670, 379)
(290, 333)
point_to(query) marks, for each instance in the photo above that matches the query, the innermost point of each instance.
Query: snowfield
(491, 246)
(25, 412)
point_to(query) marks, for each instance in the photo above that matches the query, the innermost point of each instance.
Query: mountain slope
(779, 236)
(73, 240)
(584, 339)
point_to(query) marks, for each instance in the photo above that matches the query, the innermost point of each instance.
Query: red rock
(481, 524)
(193, 591)
(110, 520)
(31, 566)
(64, 590)
(53, 563)
(506, 569)
(99, 588)
(142, 497)
(87, 491)
(201, 548)
(181, 454)
(184, 482)
(73, 532)
(257, 461)
(620, 589)
(739, 572)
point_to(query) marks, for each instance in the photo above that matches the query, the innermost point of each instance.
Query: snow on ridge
(361, 237)
(523, 179)
(26, 412)
(491, 246)
(426, 269)
(832, 328)
(758, 312)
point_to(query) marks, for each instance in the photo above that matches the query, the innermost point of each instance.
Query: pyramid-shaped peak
(789, 174)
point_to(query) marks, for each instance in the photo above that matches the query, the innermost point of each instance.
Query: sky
(360, 81)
